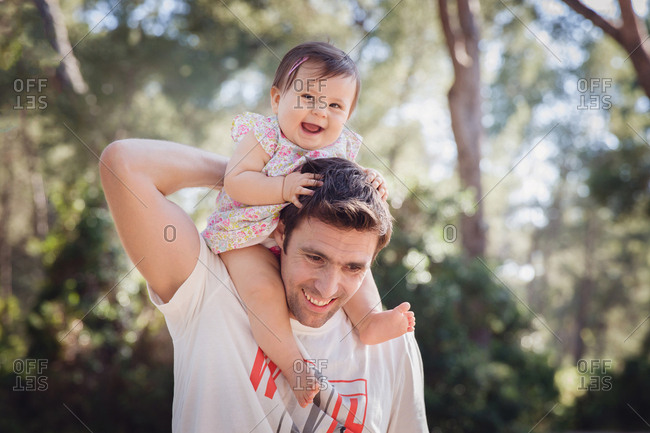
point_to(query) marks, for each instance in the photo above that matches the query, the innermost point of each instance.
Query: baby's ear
(276, 95)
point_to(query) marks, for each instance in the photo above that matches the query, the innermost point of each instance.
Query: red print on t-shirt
(346, 406)
(262, 362)
(351, 404)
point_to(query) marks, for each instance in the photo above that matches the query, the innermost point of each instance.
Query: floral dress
(236, 225)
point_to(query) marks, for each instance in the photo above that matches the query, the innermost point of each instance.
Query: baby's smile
(311, 128)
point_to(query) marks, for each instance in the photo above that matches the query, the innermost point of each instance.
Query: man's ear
(278, 234)
(275, 99)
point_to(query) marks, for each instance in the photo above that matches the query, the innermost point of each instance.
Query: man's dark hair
(346, 200)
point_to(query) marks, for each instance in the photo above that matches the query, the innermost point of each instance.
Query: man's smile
(316, 302)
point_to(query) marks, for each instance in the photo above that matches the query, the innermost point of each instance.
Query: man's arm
(158, 236)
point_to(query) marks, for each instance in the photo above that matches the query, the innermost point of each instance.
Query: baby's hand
(295, 184)
(377, 182)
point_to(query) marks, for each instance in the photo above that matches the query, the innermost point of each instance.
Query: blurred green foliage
(622, 406)
(70, 298)
(469, 327)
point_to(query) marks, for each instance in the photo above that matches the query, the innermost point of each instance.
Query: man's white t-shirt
(223, 382)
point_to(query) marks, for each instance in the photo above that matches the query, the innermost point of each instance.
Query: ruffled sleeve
(352, 144)
(265, 128)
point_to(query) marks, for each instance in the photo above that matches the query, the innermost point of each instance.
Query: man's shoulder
(401, 344)
(209, 274)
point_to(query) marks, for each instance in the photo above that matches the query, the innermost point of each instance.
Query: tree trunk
(5, 214)
(630, 34)
(34, 172)
(465, 108)
(57, 34)
(585, 290)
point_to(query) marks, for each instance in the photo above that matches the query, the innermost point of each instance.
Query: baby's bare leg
(255, 272)
(374, 325)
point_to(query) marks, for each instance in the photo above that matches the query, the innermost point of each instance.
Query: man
(222, 380)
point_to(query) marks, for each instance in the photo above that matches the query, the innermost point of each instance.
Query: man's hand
(295, 185)
(377, 182)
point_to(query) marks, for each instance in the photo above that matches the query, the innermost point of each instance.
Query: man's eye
(314, 258)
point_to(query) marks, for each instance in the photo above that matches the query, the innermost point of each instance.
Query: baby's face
(313, 111)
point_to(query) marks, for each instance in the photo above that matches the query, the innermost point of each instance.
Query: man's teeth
(315, 302)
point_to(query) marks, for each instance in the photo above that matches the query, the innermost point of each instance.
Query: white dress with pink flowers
(236, 225)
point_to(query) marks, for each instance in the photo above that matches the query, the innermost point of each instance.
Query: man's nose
(327, 283)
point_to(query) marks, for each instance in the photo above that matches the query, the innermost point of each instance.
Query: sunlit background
(542, 328)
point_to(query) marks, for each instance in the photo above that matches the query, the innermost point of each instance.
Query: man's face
(322, 267)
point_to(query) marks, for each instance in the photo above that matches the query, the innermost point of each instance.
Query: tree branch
(629, 35)
(470, 31)
(627, 13)
(593, 16)
(57, 34)
(450, 38)
(631, 25)
(466, 19)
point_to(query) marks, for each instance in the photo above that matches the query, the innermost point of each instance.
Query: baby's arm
(246, 183)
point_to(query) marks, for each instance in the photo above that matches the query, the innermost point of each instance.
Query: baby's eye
(307, 96)
(335, 105)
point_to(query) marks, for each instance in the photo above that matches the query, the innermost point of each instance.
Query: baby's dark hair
(346, 200)
(328, 60)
